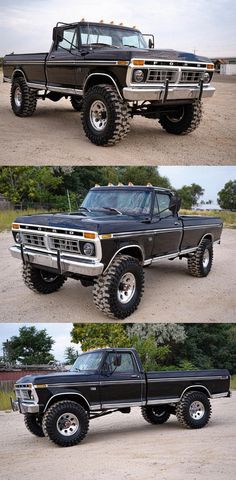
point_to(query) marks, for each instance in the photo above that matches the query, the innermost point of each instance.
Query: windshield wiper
(85, 208)
(131, 46)
(112, 210)
(103, 44)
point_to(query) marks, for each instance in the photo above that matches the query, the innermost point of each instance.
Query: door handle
(134, 376)
(177, 223)
(53, 56)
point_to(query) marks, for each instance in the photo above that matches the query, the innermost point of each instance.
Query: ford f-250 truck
(117, 231)
(104, 381)
(110, 75)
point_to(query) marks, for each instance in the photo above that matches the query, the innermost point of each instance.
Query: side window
(126, 366)
(162, 202)
(69, 41)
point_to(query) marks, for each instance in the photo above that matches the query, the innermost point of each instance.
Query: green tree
(190, 195)
(30, 346)
(70, 355)
(99, 335)
(227, 196)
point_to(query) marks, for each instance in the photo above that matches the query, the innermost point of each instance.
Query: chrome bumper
(24, 407)
(62, 262)
(161, 94)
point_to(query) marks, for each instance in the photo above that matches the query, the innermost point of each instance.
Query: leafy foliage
(70, 355)
(30, 346)
(227, 196)
(100, 335)
(190, 195)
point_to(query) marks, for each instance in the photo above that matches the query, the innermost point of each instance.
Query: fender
(126, 247)
(101, 75)
(65, 394)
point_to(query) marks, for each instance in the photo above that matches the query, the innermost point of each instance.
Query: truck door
(167, 228)
(64, 62)
(122, 385)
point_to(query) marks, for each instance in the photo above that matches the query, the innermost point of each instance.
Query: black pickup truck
(111, 73)
(60, 405)
(117, 231)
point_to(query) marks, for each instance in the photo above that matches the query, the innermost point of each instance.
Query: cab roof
(131, 187)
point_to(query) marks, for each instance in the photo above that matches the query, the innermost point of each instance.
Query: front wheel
(185, 120)
(105, 116)
(156, 415)
(118, 292)
(23, 99)
(199, 264)
(41, 281)
(34, 424)
(66, 423)
(194, 410)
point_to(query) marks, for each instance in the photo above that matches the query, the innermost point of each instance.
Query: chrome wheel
(196, 410)
(98, 115)
(67, 424)
(126, 288)
(48, 277)
(18, 97)
(206, 259)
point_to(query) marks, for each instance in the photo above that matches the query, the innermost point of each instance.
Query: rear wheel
(34, 424)
(41, 281)
(105, 116)
(193, 410)
(66, 423)
(23, 99)
(199, 264)
(76, 102)
(186, 119)
(155, 415)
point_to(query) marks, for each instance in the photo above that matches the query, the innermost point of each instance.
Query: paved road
(125, 448)
(171, 295)
(54, 136)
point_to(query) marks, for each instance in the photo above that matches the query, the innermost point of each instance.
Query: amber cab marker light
(15, 226)
(89, 235)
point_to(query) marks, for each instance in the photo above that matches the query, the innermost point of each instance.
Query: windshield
(130, 202)
(87, 361)
(111, 36)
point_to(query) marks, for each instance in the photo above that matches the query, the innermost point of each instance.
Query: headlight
(88, 249)
(18, 238)
(139, 76)
(206, 77)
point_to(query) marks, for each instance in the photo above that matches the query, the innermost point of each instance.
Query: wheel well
(18, 74)
(197, 388)
(208, 236)
(132, 250)
(98, 79)
(68, 396)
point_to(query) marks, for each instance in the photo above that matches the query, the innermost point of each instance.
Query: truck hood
(154, 54)
(97, 221)
(54, 378)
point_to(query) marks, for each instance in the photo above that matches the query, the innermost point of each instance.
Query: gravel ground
(171, 295)
(54, 136)
(125, 448)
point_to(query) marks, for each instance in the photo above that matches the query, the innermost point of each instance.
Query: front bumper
(24, 407)
(164, 94)
(61, 262)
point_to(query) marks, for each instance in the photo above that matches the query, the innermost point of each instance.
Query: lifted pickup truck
(111, 73)
(117, 231)
(60, 405)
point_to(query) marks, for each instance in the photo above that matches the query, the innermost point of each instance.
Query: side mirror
(150, 43)
(117, 360)
(175, 204)
(57, 35)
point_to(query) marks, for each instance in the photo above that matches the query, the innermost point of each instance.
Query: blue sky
(205, 26)
(59, 331)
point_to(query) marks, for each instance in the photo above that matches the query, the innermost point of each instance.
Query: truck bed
(32, 64)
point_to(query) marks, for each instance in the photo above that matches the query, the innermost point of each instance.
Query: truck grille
(33, 239)
(23, 394)
(64, 244)
(191, 76)
(162, 75)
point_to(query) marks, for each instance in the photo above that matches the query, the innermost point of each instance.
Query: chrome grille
(190, 76)
(33, 239)
(64, 244)
(162, 75)
(23, 394)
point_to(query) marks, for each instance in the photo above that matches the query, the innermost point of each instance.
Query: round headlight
(18, 238)
(88, 249)
(139, 76)
(206, 77)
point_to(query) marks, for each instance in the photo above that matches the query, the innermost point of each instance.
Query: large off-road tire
(194, 410)
(23, 99)
(34, 424)
(156, 414)
(186, 119)
(199, 264)
(105, 116)
(66, 423)
(118, 292)
(76, 102)
(41, 281)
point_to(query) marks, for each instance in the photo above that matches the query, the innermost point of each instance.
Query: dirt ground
(171, 294)
(125, 448)
(54, 136)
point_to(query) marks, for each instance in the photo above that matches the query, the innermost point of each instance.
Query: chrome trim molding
(104, 75)
(184, 379)
(125, 248)
(219, 395)
(159, 401)
(63, 394)
(122, 405)
(192, 387)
